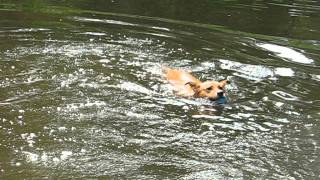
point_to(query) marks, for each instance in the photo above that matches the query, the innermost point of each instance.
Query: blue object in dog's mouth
(221, 100)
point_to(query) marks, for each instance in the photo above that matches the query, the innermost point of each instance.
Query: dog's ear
(224, 82)
(195, 86)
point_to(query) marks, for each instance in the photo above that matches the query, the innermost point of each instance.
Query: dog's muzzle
(220, 93)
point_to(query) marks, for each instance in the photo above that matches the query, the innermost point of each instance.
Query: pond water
(82, 93)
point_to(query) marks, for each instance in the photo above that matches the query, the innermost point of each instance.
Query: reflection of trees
(273, 17)
(282, 18)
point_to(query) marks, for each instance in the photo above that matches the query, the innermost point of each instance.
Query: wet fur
(185, 84)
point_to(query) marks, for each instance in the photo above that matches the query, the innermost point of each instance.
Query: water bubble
(21, 123)
(55, 159)
(62, 128)
(104, 61)
(65, 155)
(279, 104)
(83, 150)
(32, 135)
(44, 156)
(31, 156)
(18, 164)
(24, 136)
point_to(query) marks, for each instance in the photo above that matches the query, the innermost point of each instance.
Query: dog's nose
(220, 93)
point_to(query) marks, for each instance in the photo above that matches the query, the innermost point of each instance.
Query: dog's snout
(220, 93)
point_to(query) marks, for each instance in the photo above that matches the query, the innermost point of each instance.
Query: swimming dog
(185, 84)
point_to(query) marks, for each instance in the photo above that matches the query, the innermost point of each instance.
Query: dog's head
(211, 90)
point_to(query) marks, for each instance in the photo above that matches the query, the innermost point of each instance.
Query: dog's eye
(220, 87)
(209, 88)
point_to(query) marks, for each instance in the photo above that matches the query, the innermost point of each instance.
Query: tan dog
(187, 85)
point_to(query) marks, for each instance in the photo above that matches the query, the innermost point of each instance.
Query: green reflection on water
(57, 13)
(74, 8)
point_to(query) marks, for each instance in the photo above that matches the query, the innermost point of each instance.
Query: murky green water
(82, 95)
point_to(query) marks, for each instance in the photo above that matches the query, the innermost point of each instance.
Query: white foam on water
(44, 157)
(29, 30)
(160, 28)
(129, 86)
(315, 77)
(285, 96)
(62, 128)
(65, 155)
(55, 159)
(288, 72)
(286, 52)
(142, 116)
(255, 72)
(104, 61)
(31, 157)
(107, 21)
(204, 66)
(248, 71)
(203, 116)
(94, 33)
(279, 104)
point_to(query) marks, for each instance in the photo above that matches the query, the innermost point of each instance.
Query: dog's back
(178, 79)
(186, 84)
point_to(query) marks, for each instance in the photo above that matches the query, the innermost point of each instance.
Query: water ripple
(85, 98)
(285, 96)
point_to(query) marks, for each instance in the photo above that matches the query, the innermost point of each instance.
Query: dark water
(82, 94)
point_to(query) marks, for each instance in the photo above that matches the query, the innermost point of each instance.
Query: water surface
(82, 93)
